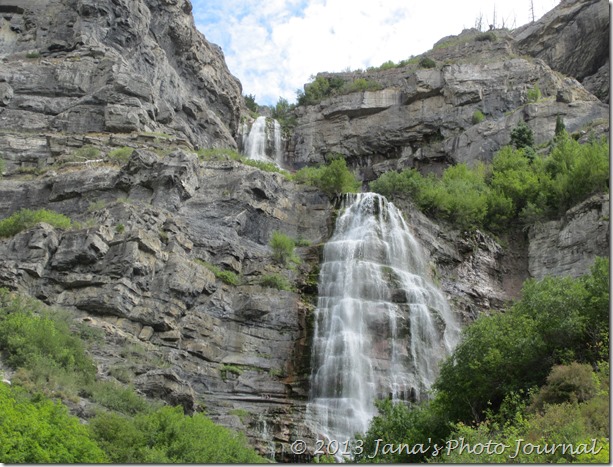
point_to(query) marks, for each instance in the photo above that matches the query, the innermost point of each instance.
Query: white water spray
(381, 325)
(263, 142)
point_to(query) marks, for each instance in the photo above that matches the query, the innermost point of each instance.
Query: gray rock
(569, 246)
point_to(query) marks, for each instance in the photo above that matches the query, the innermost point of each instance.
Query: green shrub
(276, 281)
(120, 228)
(408, 182)
(86, 153)
(262, 165)
(26, 218)
(333, 179)
(283, 112)
(168, 436)
(577, 170)
(282, 247)
(575, 382)
(533, 94)
(34, 54)
(227, 277)
(360, 84)
(427, 62)
(31, 333)
(557, 321)
(522, 136)
(478, 117)
(120, 155)
(250, 102)
(35, 430)
(2, 167)
(118, 398)
(219, 154)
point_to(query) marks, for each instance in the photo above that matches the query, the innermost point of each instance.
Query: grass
(120, 155)
(276, 281)
(227, 277)
(233, 369)
(26, 218)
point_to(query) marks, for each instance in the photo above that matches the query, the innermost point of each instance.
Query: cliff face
(81, 66)
(573, 39)
(82, 78)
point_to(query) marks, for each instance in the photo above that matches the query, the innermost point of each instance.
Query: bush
(28, 339)
(533, 94)
(168, 436)
(262, 165)
(522, 136)
(427, 62)
(35, 430)
(478, 117)
(250, 102)
(26, 218)
(276, 281)
(575, 382)
(408, 182)
(282, 247)
(86, 153)
(360, 84)
(228, 277)
(120, 155)
(555, 322)
(333, 179)
(118, 398)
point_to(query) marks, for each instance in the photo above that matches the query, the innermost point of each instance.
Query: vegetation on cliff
(518, 185)
(52, 367)
(537, 372)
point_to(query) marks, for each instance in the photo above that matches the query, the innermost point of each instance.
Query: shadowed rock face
(573, 39)
(82, 66)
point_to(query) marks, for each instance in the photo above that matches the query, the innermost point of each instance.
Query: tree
(522, 136)
(250, 102)
(35, 430)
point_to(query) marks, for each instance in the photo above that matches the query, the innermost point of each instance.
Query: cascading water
(381, 325)
(263, 142)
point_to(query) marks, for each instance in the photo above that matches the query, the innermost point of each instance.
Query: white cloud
(273, 47)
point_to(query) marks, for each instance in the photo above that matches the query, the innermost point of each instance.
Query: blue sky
(275, 46)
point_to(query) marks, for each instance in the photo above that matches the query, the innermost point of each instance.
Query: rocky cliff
(84, 82)
(425, 116)
(125, 66)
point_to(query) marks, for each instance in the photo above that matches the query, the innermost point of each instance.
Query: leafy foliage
(333, 179)
(522, 136)
(26, 218)
(282, 248)
(31, 336)
(518, 185)
(167, 436)
(34, 429)
(427, 62)
(534, 93)
(554, 322)
(250, 102)
(478, 117)
(322, 87)
(120, 155)
(276, 281)
(228, 277)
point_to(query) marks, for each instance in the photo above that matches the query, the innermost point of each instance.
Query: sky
(274, 47)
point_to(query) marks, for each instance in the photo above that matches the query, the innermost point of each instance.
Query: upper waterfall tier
(263, 141)
(381, 325)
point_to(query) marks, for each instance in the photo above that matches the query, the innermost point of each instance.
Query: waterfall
(263, 142)
(381, 325)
